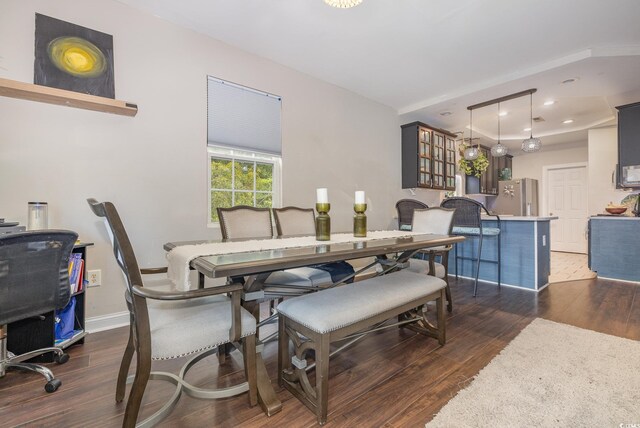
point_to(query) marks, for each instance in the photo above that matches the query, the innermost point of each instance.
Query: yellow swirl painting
(69, 56)
(77, 57)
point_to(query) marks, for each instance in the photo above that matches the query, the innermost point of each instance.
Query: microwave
(631, 176)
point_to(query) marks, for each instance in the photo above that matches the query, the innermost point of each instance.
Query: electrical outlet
(94, 277)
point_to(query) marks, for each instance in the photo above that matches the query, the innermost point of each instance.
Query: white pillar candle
(322, 196)
(359, 196)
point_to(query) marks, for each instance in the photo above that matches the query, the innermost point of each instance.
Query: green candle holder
(360, 221)
(323, 222)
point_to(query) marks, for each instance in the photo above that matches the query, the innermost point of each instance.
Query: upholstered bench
(313, 321)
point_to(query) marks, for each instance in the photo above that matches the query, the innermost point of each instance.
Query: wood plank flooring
(394, 378)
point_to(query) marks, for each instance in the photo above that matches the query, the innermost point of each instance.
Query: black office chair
(467, 221)
(34, 280)
(405, 209)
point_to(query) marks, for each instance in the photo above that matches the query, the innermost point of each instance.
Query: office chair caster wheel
(61, 359)
(52, 385)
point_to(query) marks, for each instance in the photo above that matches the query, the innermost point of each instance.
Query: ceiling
(426, 57)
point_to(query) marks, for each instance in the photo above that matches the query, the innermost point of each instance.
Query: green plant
(475, 167)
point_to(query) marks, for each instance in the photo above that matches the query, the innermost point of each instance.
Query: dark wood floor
(395, 378)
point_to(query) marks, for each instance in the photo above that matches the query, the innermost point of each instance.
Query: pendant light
(498, 150)
(530, 145)
(471, 153)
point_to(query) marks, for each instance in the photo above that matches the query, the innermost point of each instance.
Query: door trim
(545, 182)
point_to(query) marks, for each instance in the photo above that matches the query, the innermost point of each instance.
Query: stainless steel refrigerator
(517, 197)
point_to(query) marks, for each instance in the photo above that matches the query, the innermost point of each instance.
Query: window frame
(227, 153)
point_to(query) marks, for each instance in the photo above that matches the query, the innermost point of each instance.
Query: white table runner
(180, 257)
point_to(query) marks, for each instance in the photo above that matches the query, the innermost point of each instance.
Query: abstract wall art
(68, 56)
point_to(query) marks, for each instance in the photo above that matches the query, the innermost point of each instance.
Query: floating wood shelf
(45, 94)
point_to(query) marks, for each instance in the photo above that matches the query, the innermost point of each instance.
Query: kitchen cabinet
(487, 183)
(629, 145)
(428, 157)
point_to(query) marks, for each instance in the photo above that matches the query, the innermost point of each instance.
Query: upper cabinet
(428, 157)
(629, 145)
(487, 184)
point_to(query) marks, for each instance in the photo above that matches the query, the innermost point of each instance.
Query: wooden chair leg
(283, 349)
(322, 378)
(447, 292)
(222, 354)
(250, 370)
(442, 338)
(121, 384)
(143, 370)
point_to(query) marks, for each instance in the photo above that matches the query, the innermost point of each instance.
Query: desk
(258, 263)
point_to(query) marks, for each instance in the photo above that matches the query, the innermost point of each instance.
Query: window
(244, 147)
(242, 178)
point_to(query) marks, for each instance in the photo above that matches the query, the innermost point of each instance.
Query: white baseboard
(107, 322)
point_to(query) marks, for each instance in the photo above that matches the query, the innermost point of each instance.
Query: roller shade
(243, 118)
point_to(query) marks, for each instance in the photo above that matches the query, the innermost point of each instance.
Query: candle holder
(323, 222)
(360, 221)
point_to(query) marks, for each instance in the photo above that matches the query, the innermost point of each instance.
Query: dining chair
(34, 280)
(405, 209)
(467, 221)
(301, 221)
(243, 221)
(167, 324)
(438, 221)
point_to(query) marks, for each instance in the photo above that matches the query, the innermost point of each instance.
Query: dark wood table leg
(266, 394)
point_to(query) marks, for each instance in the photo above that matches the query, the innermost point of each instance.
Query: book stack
(76, 273)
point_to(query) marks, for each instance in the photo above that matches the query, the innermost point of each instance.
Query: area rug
(552, 375)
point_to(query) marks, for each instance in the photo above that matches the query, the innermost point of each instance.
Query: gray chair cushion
(338, 307)
(422, 267)
(459, 230)
(304, 277)
(184, 327)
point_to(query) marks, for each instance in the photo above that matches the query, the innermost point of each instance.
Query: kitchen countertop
(614, 217)
(507, 217)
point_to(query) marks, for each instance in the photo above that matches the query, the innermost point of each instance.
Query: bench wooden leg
(322, 378)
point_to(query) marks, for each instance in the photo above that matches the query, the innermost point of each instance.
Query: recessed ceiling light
(343, 4)
(570, 80)
(567, 121)
(503, 113)
(445, 113)
(527, 129)
(549, 103)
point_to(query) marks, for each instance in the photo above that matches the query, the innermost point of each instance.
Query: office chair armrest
(153, 271)
(148, 293)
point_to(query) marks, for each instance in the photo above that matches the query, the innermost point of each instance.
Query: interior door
(567, 199)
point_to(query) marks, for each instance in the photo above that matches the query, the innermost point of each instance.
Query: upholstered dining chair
(292, 221)
(467, 221)
(405, 209)
(167, 324)
(438, 221)
(34, 280)
(243, 221)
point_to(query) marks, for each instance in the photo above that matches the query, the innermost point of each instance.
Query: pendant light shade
(530, 145)
(471, 153)
(498, 150)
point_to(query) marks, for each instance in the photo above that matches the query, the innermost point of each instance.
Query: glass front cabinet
(428, 157)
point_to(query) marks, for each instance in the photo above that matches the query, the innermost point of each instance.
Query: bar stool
(467, 221)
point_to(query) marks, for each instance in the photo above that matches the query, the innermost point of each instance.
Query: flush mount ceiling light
(530, 145)
(527, 129)
(503, 113)
(567, 121)
(343, 4)
(549, 103)
(499, 150)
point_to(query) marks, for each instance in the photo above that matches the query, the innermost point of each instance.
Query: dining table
(253, 260)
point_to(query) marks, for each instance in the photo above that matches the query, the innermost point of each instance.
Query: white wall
(603, 158)
(154, 166)
(530, 165)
